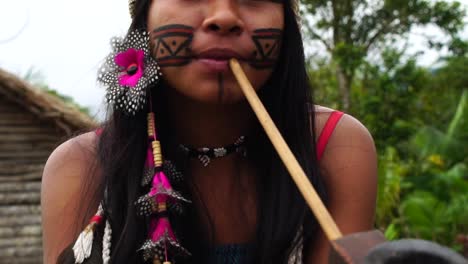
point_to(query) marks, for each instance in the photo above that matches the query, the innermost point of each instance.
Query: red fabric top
(327, 131)
(98, 131)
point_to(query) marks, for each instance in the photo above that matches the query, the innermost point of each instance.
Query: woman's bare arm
(349, 167)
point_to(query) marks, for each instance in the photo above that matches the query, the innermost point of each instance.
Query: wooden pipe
(322, 215)
(305, 187)
(367, 247)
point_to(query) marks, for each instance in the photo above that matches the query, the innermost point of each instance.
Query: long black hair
(282, 211)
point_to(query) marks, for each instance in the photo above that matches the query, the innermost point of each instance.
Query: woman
(237, 203)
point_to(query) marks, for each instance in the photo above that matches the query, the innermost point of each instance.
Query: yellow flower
(436, 160)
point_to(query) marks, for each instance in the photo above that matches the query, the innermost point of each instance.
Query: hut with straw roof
(32, 124)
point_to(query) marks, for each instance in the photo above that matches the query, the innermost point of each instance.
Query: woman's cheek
(171, 45)
(267, 46)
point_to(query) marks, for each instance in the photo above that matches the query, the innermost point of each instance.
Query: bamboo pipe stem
(305, 187)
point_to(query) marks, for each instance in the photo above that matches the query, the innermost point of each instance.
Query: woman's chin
(212, 94)
(198, 83)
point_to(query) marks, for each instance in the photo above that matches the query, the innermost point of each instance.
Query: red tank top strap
(327, 131)
(98, 131)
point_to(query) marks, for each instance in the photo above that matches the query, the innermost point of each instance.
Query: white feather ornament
(84, 243)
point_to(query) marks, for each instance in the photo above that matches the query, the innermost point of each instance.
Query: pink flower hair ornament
(132, 63)
(128, 72)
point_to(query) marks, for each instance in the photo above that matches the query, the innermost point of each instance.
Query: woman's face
(193, 40)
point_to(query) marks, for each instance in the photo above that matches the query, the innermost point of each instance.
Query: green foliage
(445, 87)
(422, 200)
(419, 119)
(418, 116)
(349, 57)
(391, 173)
(363, 24)
(323, 82)
(459, 47)
(350, 29)
(459, 125)
(37, 79)
(453, 75)
(429, 140)
(392, 232)
(425, 216)
(67, 99)
(385, 97)
(426, 196)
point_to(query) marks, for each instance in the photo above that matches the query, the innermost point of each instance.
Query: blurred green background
(417, 115)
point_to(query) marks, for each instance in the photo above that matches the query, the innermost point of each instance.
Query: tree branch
(380, 32)
(316, 36)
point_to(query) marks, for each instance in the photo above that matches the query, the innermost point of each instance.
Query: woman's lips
(215, 65)
(217, 60)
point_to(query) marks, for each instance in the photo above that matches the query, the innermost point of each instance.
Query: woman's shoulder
(70, 165)
(76, 153)
(69, 181)
(345, 126)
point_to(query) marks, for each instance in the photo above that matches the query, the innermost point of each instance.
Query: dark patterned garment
(231, 254)
(242, 254)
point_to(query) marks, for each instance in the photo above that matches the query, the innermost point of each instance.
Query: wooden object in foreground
(367, 247)
(355, 247)
(305, 187)
(340, 253)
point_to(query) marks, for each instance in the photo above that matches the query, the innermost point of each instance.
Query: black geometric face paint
(172, 45)
(267, 43)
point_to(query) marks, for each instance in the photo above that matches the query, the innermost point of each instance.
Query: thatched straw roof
(43, 105)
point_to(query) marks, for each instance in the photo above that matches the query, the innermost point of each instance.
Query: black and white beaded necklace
(206, 154)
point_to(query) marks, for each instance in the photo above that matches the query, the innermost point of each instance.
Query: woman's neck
(227, 182)
(199, 124)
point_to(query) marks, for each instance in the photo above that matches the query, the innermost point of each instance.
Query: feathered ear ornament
(128, 72)
(162, 243)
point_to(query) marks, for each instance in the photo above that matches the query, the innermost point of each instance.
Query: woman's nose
(223, 18)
